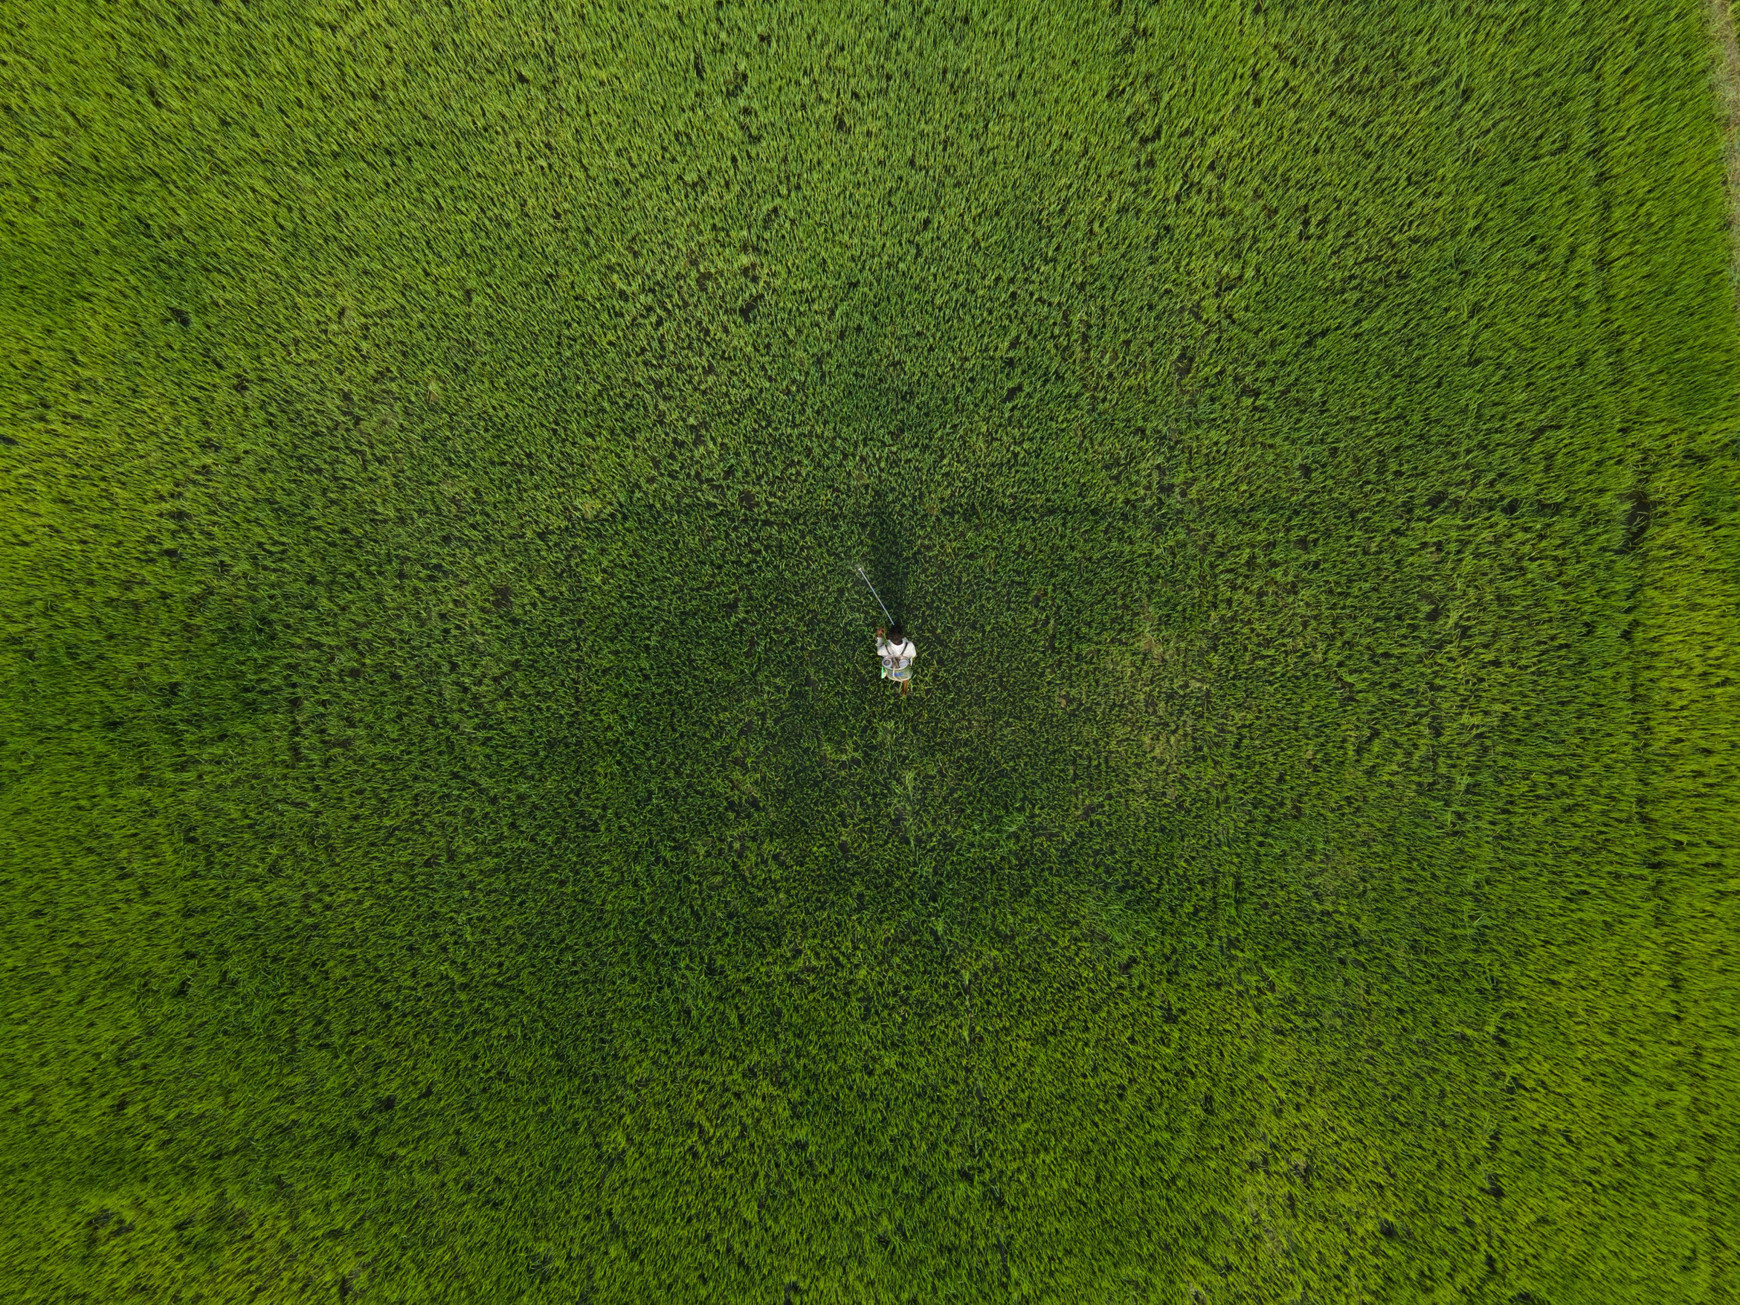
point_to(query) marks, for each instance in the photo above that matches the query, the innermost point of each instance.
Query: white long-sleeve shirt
(896, 656)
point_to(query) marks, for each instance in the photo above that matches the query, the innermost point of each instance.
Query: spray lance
(875, 595)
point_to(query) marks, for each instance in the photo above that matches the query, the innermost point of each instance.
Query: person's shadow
(889, 555)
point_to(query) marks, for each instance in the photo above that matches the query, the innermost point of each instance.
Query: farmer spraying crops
(892, 645)
(897, 653)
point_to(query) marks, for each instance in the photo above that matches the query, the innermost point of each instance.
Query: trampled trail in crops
(1725, 74)
(456, 843)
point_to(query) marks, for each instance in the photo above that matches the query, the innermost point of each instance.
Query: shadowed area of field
(454, 841)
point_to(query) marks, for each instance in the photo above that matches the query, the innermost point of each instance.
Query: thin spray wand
(875, 595)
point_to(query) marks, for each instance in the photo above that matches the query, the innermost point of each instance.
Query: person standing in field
(897, 653)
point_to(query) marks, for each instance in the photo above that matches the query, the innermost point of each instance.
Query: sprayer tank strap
(895, 656)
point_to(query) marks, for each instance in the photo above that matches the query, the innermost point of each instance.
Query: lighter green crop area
(454, 845)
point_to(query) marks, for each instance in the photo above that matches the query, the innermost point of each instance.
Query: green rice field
(455, 845)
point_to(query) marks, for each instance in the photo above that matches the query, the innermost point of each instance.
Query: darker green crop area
(455, 846)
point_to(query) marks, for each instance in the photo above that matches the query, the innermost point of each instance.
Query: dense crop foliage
(455, 845)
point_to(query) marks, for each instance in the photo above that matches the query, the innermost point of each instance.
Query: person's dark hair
(896, 634)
